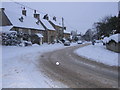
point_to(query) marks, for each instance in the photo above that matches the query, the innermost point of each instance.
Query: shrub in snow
(115, 37)
(25, 43)
(15, 39)
(35, 45)
(10, 39)
(76, 39)
(25, 37)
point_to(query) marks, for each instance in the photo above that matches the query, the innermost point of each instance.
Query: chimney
(34, 11)
(24, 11)
(37, 16)
(2, 9)
(65, 28)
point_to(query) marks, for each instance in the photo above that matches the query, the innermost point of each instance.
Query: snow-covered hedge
(10, 39)
(15, 39)
(25, 43)
(113, 43)
(115, 37)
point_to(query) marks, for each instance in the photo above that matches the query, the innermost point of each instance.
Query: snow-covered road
(78, 72)
(20, 67)
(24, 67)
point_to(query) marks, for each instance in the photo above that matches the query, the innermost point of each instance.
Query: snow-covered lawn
(99, 53)
(21, 68)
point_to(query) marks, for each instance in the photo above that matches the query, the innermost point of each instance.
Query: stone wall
(113, 46)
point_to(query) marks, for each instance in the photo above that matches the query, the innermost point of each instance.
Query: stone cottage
(58, 27)
(23, 24)
(50, 32)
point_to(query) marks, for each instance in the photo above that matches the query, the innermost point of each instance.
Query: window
(29, 32)
(20, 30)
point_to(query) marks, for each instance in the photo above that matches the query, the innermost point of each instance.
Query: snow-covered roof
(28, 21)
(47, 24)
(14, 12)
(65, 31)
(6, 29)
(57, 22)
(39, 35)
(115, 37)
(68, 27)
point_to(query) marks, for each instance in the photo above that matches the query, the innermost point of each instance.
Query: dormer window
(38, 22)
(21, 19)
(46, 17)
(54, 18)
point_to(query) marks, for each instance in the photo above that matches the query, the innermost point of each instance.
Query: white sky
(77, 15)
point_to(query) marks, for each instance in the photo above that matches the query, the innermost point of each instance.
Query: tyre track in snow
(78, 72)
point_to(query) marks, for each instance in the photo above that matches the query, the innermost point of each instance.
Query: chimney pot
(37, 16)
(24, 12)
(34, 11)
(2, 9)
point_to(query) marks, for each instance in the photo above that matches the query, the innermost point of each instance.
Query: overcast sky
(77, 15)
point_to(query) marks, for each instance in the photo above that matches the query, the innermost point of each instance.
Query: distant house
(67, 35)
(113, 43)
(24, 24)
(58, 27)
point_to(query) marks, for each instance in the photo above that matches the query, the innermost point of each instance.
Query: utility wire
(40, 12)
(33, 9)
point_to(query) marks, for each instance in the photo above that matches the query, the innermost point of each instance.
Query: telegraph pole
(63, 23)
(119, 9)
(62, 27)
(118, 18)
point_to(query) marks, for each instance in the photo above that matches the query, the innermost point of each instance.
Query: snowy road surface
(20, 67)
(78, 72)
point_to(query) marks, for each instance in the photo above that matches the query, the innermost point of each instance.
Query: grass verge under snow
(99, 53)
